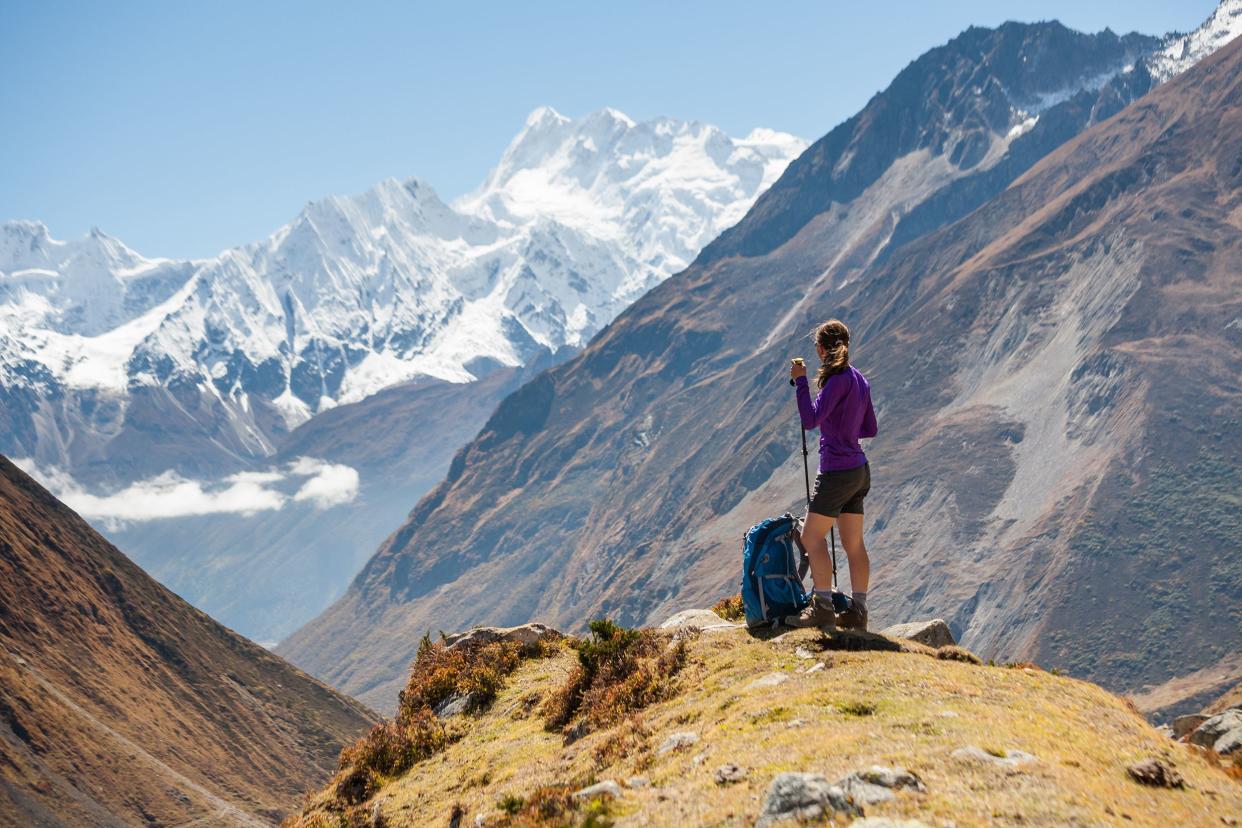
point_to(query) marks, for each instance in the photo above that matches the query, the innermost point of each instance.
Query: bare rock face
(701, 619)
(933, 633)
(522, 634)
(803, 796)
(1222, 733)
(1155, 773)
(877, 783)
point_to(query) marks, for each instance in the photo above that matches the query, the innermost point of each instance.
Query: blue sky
(184, 128)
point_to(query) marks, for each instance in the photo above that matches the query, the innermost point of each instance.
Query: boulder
(523, 634)
(728, 774)
(456, 704)
(699, 619)
(933, 633)
(1155, 773)
(1010, 758)
(1222, 732)
(1184, 725)
(877, 783)
(803, 796)
(607, 788)
(769, 680)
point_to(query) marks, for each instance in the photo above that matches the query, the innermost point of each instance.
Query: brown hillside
(120, 704)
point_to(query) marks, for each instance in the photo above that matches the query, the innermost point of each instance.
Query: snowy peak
(362, 292)
(1224, 24)
(670, 185)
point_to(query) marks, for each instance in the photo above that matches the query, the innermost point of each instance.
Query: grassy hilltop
(660, 713)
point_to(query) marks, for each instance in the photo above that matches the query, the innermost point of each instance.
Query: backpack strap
(804, 560)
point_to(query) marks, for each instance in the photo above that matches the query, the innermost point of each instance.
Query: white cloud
(331, 484)
(169, 495)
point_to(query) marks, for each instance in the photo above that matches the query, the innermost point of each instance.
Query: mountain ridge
(980, 288)
(122, 704)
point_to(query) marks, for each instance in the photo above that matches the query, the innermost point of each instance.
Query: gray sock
(860, 598)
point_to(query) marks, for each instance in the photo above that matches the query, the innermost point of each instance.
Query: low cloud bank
(169, 495)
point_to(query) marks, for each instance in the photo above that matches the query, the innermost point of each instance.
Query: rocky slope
(750, 732)
(1032, 466)
(389, 318)
(122, 705)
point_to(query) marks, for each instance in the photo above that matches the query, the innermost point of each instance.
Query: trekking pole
(832, 532)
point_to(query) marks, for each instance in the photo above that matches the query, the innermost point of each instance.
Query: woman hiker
(843, 414)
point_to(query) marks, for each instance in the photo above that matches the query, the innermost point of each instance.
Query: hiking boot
(854, 618)
(816, 614)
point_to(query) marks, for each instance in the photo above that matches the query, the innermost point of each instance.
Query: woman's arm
(813, 412)
(870, 427)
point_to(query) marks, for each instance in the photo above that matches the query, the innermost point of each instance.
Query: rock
(1155, 773)
(523, 634)
(455, 704)
(816, 667)
(1184, 725)
(607, 788)
(638, 782)
(803, 652)
(770, 680)
(933, 633)
(1222, 732)
(728, 774)
(1165, 730)
(677, 741)
(700, 619)
(803, 796)
(699, 758)
(1011, 758)
(877, 783)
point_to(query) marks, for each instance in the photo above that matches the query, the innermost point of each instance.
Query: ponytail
(834, 337)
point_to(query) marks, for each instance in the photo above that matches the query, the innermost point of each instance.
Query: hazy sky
(184, 128)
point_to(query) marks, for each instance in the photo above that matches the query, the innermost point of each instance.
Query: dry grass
(731, 608)
(475, 673)
(619, 671)
(897, 706)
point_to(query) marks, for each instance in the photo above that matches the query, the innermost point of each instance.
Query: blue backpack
(772, 573)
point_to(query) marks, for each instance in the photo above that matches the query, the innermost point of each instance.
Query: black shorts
(841, 491)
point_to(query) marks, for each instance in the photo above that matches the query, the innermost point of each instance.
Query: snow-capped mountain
(666, 186)
(1180, 53)
(360, 293)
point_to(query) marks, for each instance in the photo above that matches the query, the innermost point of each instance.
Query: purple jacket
(842, 412)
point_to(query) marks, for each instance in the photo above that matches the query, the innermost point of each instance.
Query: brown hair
(835, 339)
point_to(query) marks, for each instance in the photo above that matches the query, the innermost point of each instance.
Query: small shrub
(439, 673)
(730, 609)
(359, 785)
(952, 652)
(510, 804)
(393, 746)
(619, 671)
(545, 806)
(857, 708)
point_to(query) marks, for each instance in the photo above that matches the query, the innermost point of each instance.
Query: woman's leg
(850, 526)
(815, 541)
